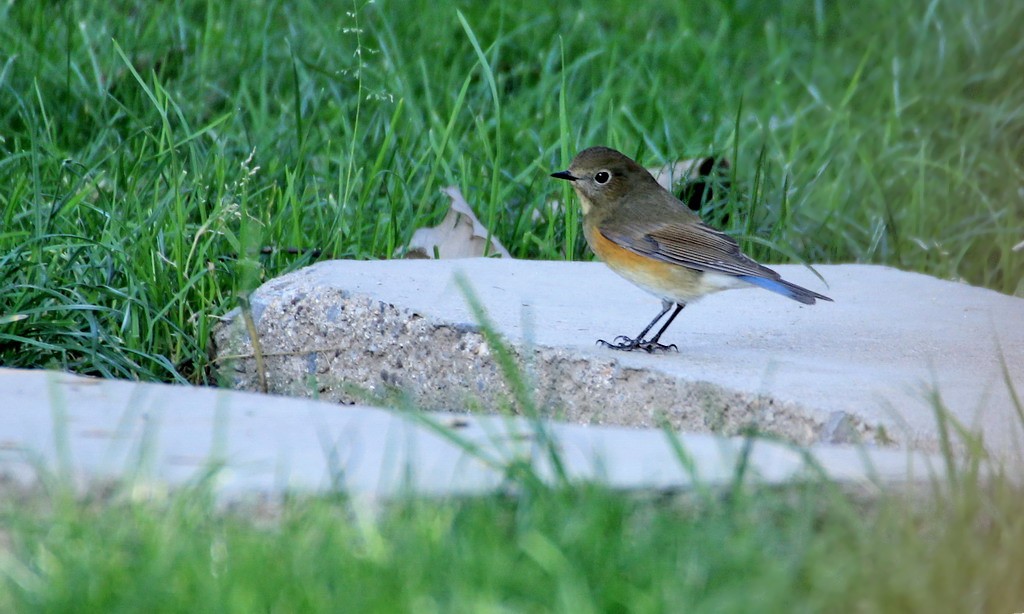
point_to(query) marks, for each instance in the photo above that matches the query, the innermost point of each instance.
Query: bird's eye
(602, 177)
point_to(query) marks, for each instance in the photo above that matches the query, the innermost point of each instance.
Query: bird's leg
(654, 342)
(623, 342)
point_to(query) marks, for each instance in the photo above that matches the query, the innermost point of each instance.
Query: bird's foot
(627, 344)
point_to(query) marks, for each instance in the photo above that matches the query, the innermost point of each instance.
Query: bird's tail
(783, 287)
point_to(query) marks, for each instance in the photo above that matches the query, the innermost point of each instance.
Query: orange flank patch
(622, 260)
(673, 282)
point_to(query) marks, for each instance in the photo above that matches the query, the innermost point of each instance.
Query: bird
(651, 238)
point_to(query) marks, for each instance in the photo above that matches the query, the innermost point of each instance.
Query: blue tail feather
(783, 287)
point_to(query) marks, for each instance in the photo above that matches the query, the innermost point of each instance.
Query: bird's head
(603, 177)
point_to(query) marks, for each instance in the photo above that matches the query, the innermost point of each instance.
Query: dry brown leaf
(670, 175)
(459, 235)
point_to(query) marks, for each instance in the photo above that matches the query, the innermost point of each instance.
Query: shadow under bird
(651, 238)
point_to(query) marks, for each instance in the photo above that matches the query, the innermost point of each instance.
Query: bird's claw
(627, 344)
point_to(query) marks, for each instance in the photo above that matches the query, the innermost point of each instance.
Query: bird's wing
(693, 244)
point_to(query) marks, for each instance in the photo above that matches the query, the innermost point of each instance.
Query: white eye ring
(602, 177)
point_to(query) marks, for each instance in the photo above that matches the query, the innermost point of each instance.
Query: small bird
(651, 238)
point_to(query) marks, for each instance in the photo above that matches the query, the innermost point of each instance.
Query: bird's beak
(564, 175)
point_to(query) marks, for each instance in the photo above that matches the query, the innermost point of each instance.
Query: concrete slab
(160, 435)
(868, 366)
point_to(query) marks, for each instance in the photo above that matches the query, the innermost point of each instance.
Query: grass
(810, 547)
(951, 544)
(159, 160)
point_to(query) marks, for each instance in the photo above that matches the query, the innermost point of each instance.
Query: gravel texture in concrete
(869, 367)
